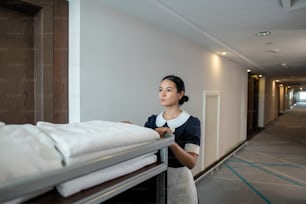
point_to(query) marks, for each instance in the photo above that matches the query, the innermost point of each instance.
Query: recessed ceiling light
(222, 53)
(276, 50)
(284, 65)
(248, 70)
(263, 33)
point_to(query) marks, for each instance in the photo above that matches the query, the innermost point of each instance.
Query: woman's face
(168, 95)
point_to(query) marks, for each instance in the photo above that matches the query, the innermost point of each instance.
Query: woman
(185, 150)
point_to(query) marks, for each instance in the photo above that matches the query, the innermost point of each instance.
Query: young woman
(185, 150)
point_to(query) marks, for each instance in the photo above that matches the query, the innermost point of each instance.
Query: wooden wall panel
(60, 61)
(34, 61)
(46, 65)
(43, 37)
(16, 64)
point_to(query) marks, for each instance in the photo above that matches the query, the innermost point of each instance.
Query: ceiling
(231, 25)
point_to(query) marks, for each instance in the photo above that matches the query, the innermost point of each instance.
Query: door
(253, 100)
(211, 127)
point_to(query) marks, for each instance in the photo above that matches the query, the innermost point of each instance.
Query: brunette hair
(180, 86)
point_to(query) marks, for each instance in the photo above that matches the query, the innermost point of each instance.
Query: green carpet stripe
(270, 172)
(248, 184)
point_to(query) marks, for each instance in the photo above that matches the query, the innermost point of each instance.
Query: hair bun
(186, 98)
(183, 100)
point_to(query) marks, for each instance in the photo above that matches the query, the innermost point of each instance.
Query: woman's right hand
(163, 130)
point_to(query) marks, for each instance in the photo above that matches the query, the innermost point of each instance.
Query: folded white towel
(76, 185)
(99, 154)
(92, 136)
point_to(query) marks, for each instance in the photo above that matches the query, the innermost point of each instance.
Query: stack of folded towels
(78, 142)
(88, 140)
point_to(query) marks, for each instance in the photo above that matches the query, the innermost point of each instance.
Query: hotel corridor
(271, 168)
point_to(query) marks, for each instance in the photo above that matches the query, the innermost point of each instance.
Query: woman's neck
(171, 113)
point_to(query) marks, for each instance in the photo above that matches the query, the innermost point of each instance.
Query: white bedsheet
(25, 151)
(81, 138)
(74, 186)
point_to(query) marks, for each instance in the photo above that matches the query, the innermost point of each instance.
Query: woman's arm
(188, 159)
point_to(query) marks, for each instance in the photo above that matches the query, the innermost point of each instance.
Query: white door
(211, 127)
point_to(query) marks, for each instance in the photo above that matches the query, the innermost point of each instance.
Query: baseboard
(214, 165)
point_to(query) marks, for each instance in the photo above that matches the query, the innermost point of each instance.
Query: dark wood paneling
(60, 61)
(47, 76)
(16, 62)
(43, 37)
(34, 63)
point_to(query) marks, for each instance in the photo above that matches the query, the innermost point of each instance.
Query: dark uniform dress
(187, 130)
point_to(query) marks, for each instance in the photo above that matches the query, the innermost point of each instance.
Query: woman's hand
(127, 121)
(188, 159)
(163, 130)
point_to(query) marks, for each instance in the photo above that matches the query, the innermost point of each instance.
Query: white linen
(98, 154)
(76, 185)
(25, 151)
(2, 124)
(76, 139)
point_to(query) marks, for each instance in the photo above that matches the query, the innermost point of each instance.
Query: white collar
(173, 123)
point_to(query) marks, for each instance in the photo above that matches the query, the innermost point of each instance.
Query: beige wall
(271, 100)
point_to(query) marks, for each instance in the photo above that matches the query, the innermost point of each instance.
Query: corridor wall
(271, 100)
(116, 70)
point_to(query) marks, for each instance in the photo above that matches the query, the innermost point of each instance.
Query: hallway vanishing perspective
(271, 168)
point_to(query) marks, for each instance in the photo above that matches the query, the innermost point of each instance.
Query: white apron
(181, 188)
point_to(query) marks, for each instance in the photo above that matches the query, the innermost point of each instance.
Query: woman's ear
(181, 94)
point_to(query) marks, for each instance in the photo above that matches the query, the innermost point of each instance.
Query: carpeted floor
(271, 168)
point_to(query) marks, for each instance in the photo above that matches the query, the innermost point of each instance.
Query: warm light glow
(248, 70)
(215, 61)
(223, 53)
(216, 65)
(260, 76)
(276, 80)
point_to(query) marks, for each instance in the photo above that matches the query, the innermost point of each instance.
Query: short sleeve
(193, 140)
(151, 122)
